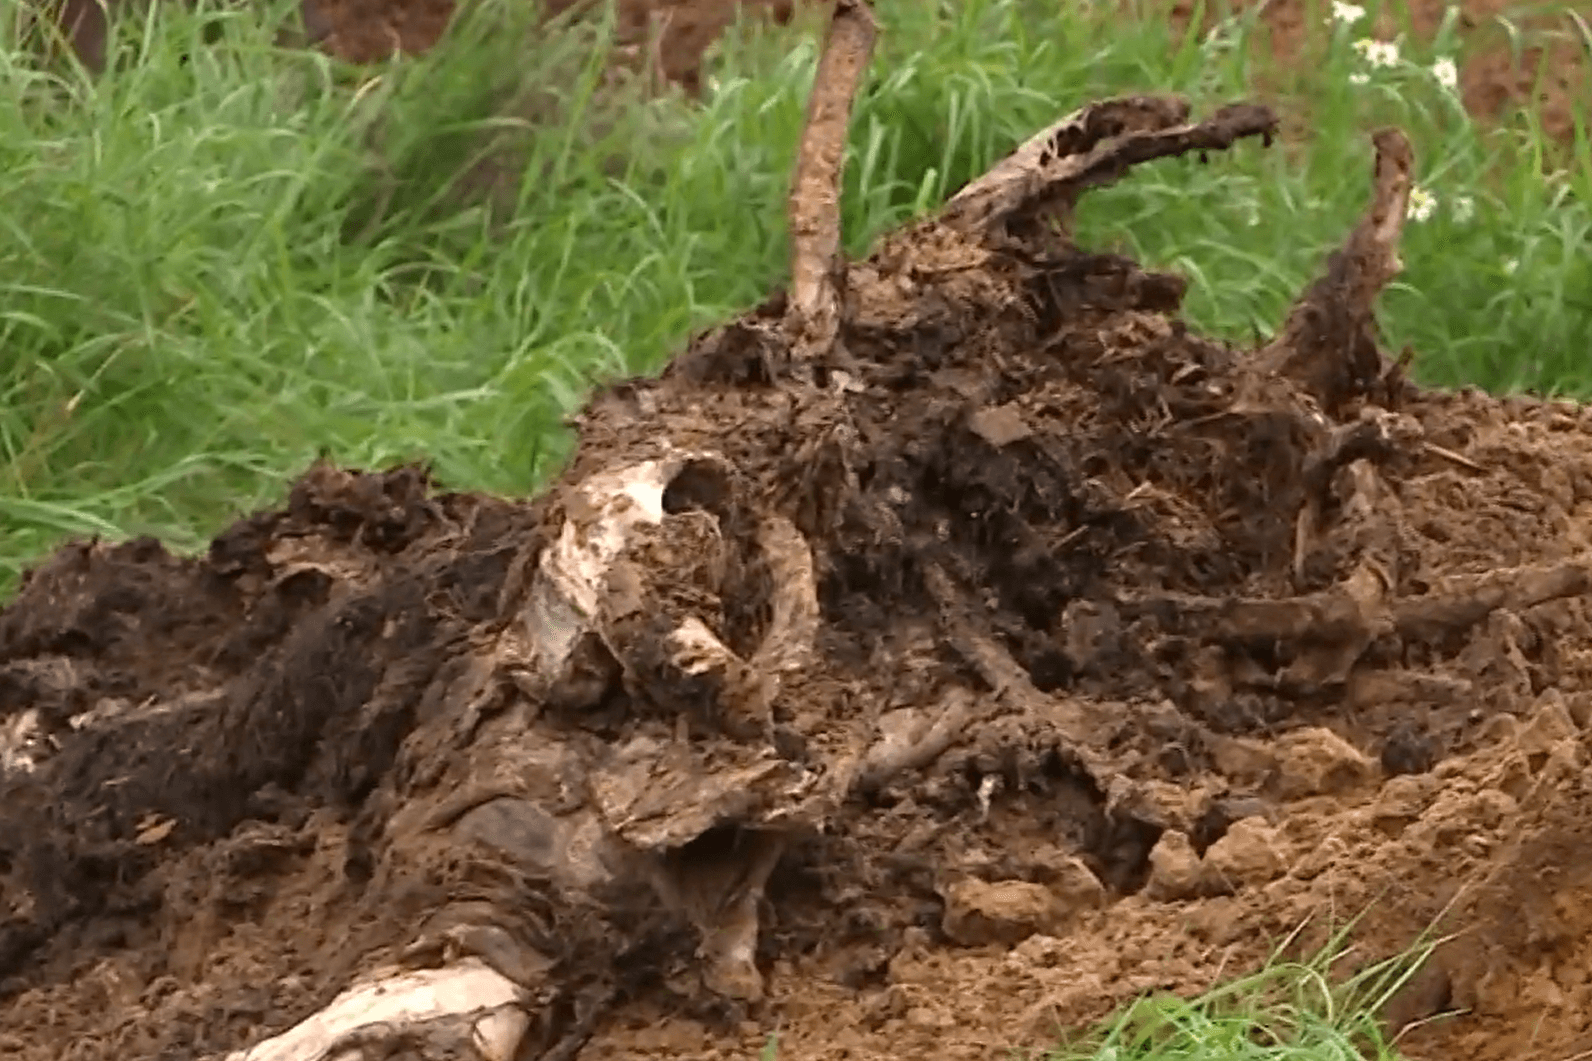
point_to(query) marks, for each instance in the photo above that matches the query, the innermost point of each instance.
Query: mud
(947, 651)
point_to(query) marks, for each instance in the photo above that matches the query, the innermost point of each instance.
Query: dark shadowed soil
(1036, 650)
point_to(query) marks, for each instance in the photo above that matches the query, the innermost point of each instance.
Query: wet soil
(1025, 652)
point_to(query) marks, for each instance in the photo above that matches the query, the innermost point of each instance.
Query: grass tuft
(1289, 1010)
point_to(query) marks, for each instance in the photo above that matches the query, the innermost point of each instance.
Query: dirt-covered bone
(1044, 178)
(962, 595)
(1328, 343)
(816, 262)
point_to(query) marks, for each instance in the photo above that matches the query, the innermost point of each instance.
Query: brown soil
(1019, 652)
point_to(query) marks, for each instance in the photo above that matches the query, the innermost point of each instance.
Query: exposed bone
(815, 193)
(720, 896)
(659, 796)
(908, 746)
(589, 591)
(788, 646)
(1367, 688)
(1455, 458)
(1340, 625)
(1328, 343)
(467, 1003)
(1014, 689)
(572, 574)
(1091, 147)
(22, 742)
(1322, 617)
(1459, 603)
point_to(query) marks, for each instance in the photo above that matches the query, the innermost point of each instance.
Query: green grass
(1308, 1009)
(1313, 1008)
(225, 260)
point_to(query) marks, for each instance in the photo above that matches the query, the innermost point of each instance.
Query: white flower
(1510, 265)
(1464, 208)
(1377, 53)
(1422, 204)
(1359, 78)
(1345, 14)
(1447, 73)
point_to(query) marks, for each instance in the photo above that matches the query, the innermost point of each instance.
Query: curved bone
(466, 1003)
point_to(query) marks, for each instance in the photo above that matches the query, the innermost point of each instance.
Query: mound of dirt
(943, 653)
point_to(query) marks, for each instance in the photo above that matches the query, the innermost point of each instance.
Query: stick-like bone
(1335, 616)
(814, 310)
(1328, 343)
(1095, 146)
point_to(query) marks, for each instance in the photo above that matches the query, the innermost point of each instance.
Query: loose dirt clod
(933, 657)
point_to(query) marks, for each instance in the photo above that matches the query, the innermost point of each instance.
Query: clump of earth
(944, 653)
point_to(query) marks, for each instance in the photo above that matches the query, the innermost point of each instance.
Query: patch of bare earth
(940, 655)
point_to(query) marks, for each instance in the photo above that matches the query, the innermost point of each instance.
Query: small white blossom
(1422, 204)
(1447, 73)
(1359, 78)
(1510, 265)
(1377, 53)
(1345, 14)
(1464, 208)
